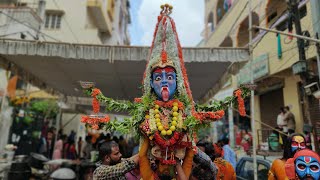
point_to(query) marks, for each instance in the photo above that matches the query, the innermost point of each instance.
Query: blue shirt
(229, 155)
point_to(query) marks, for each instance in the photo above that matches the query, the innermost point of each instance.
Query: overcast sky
(188, 16)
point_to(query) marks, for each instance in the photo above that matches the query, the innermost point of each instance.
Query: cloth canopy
(117, 70)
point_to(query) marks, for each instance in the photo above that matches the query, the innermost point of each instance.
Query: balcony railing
(22, 15)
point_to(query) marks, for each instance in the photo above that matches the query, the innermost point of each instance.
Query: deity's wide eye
(314, 167)
(301, 166)
(158, 78)
(170, 77)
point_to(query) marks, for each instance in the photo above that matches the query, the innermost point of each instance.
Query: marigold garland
(95, 92)
(241, 107)
(163, 143)
(94, 121)
(137, 100)
(95, 105)
(208, 115)
(169, 104)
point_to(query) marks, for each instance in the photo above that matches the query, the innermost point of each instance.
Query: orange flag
(11, 88)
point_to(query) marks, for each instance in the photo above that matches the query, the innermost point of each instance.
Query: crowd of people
(119, 158)
(211, 161)
(214, 161)
(67, 147)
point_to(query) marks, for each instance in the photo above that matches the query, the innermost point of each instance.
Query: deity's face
(307, 167)
(164, 83)
(297, 142)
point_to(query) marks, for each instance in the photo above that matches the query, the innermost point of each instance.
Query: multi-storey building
(273, 56)
(72, 21)
(75, 21)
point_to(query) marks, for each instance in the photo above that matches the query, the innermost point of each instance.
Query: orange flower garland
(169, 104)
(94, 121)
(208, 115)
(242, 110)
(95, 105)
(95, 102)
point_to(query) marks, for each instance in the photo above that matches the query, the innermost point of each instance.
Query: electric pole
(294, 13)
(295, 16)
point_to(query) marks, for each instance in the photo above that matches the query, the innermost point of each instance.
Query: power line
(68, 25)
(1, 12)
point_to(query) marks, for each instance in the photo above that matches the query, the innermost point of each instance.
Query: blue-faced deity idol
(164, 82)
(307, 167)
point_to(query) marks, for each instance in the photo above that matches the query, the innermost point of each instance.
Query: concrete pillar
(231, 127)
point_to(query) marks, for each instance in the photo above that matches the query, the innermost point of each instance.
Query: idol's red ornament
(164, 56)
(163, 143)
(169, 104)
(241, 107)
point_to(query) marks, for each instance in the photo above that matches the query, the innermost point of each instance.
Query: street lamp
(299, 67)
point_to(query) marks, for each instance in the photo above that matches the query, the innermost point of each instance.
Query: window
(275, 9)
(53, 20)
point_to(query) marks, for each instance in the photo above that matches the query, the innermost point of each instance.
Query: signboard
(260, 68)
(221, 95)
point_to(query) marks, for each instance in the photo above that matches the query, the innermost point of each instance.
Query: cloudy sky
(188, 16)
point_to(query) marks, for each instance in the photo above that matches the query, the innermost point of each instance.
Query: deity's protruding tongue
(165, 94)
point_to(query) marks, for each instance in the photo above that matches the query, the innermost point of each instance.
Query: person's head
(50, 135)
(109, 153)
(164, 82)
(63, 137)
(225, 141)
(200, 173)
(88, 139)
(286, 108)
(53, 130)
(282, 110)
(294, 143)
(244, 131)
(218, 151)
(202, 145)
(115, 139)
(80, 138)
(305, 164)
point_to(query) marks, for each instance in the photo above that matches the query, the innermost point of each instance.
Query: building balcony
(17, 20)
(22, 14)
(98, 11)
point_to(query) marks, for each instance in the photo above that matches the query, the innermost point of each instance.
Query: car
(244, 169)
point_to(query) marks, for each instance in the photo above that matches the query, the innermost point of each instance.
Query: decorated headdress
(166, 51)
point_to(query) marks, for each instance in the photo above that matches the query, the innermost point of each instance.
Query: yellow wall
(221, 30)
(291, 98)
(257, 116)
(268, 44)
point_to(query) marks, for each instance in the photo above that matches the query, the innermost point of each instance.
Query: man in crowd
(229, 154)
(111, 165)
(290, 120)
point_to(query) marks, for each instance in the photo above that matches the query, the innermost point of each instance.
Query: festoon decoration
(165, 117)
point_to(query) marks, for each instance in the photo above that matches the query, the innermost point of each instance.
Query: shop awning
(117, 70)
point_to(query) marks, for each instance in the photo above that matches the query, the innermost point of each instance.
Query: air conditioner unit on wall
(313, 89)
